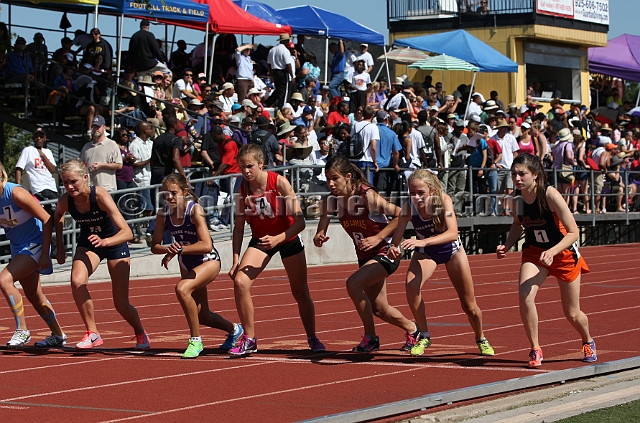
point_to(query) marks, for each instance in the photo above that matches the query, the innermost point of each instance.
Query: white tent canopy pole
(326, 59)
(386, 63)
(473, 82)
(209, 75)
(95, 17)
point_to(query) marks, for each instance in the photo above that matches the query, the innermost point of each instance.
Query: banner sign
(596, 11)
(563, 8)
(168, 9)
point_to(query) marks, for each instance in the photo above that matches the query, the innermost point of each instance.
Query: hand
(96, 241)
(501, 251)
(166, 259)
(268, 242)
(546, 258)
(233, 270)
(394, 253)
(61, 255)
(410, 244)
(174, 248)
(480, 173)
(375, 166)
(320, 239)
(397, 168)
(94, 166)
(369, 243)
(45, 262)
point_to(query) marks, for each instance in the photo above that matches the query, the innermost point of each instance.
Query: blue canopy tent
(314, 21)
(261, 10)
(462, 45)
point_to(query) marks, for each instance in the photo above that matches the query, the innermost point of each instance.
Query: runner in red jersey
(362, 213)
(269, 204)
(550, 248)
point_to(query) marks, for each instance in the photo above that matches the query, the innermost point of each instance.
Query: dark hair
(182, 183)
(170, 121)
(534, 165)
(422, 117)
(401, 129)
(343, 166)
(368, 112)
(311, 58)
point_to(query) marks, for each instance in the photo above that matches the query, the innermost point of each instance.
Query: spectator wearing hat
(284, 134)
(581, 186)
(366, 57)
(564, 158)
(226, 97)
(102, 157)
(39, 164)
(244, 73)
(475, 105)
(183, 88)
(490, 108)
(98, 47)
(396, 103)
(337, 67)
(248, 109)
(510, 149)
(280, 71)
(360, 82)
(180, 59)
(19, 66)
(296, 104)
(308, 121)
(144, 52)
(300, 156)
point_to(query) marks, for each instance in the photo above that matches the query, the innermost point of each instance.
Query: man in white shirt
(474, 105)
(370, 136)
(366, 56)
(510, 148)
(183, 88)
(226, 97)
(141, 147)
(244, 75)
(40, 166)
(280, 70)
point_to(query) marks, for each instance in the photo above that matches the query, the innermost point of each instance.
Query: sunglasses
(188, 74)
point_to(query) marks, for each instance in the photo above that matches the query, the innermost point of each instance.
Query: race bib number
(261, 208)
(357, 238)
(541, 235)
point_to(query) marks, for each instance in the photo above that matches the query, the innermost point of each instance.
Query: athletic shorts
(110, 253)
(566, 266)
(504, 180)
(445, 254)
(34, 251)
(598, 183)
(286, 249)
(390, 266)
(190, 261)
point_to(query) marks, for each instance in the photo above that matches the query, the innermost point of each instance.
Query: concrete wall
(339, 249)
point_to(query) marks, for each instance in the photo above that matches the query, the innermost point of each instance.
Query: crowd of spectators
(170, 113)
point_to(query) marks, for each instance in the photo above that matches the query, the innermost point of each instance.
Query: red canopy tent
(225, 17)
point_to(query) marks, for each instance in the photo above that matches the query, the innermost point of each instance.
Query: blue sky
(624, 15)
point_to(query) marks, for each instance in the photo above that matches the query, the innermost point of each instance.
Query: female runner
(199, 260)
(269, 204)
(550, 248)
(437, 242)
(103, 235)
(28, 227)
(363, 215)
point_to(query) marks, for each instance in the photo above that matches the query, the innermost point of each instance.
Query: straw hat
(297, 96)
(303, 150)
(605, 127)
(565, 135)
(285, 128)
(502, 123)
(490, 105)
(284, 37)
(145, 80)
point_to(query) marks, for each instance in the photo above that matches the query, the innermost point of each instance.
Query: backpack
(261, 141)
(591, 162)
(354, 148)
(429, 148)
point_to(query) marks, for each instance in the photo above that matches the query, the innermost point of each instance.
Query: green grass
(629, 412)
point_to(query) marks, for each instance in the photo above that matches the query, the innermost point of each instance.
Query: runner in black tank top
(103, 235)
(550, 248)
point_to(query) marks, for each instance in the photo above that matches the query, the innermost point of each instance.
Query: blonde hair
(3, 175)
(436, 196)
(253, 150)
(280, 114)
(73, 165)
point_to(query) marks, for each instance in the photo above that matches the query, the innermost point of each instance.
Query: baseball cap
(262, 121)
(434, 108)
(98, 120)
(248, 103)
(254, 91)
(364, 44)
(69, 56)
(87, 66)
(202, 75)
(459, 123)
(381, 115)
(325, 87)
(247, 121)
(307, 109)
(40, 129)
(236, 106)
(451, 116)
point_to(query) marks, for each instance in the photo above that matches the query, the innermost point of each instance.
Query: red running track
(286, 382)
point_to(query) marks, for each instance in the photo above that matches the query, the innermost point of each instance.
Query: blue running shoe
(232, 337)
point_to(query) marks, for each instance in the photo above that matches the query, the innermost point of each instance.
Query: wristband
(180, 250)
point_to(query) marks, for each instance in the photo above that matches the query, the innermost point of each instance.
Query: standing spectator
(366, 57)
(396, 102)
(474, 106)
(244, 74)
(320, 158)
(228, 151)
(39, 55)
(370, 137)
(198, 53)
(101, 156)
(280, 70)
(183, 88)
(387, 154)
(81, 40)
(98, 47)
(337, 67)
(563, 156)
(144, 52)
(141, 147)
(40, 166)
(124, 175)
(180, 59)
(582, 178)
(361, 81)
(510, 149)
(267, 141)
(456, 185)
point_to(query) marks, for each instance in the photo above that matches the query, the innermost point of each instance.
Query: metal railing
(400, 10)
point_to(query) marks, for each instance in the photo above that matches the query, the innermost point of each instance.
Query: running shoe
(535, 357)
(142, 341)
(245, 346)
(420, 346)
(367, 345)
(589, 351)
(89, 340)
(19, 339)
(193, 349)
(485, 348)
(232, 337)
(52, 341)
(412, 339)
(315, 345)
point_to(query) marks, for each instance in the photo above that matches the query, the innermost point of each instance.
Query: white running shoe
(52, 341)
(19, 339)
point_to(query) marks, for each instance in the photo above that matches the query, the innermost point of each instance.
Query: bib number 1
(541, 236)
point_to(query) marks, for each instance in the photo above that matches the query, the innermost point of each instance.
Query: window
(553, 72)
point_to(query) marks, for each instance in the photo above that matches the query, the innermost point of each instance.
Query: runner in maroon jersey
(362, 213)
(268, 203)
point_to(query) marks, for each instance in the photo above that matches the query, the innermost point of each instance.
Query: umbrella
(443, 62)
(404, 55)
(606, 114)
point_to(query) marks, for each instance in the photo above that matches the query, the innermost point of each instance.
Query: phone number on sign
(600, 6)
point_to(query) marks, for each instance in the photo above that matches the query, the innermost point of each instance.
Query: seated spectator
(128, 103)
(299, 154)
(19, 65)
(183, 88)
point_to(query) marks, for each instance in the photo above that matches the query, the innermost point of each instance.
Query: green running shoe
(193, 350)
(485, 348)
(423, 344)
